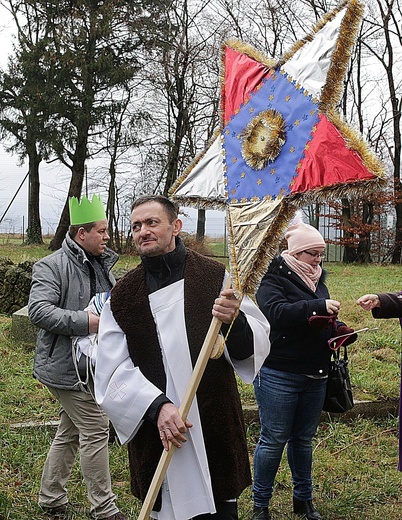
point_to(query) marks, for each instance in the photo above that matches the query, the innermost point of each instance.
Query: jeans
(290, 407)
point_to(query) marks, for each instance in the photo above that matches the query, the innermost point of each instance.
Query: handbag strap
(337, 342)
(336, 353)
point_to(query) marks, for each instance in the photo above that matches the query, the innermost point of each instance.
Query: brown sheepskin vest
(218, 397)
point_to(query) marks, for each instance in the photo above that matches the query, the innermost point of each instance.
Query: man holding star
(150, 336)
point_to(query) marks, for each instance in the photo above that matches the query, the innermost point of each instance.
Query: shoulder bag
(339, 398)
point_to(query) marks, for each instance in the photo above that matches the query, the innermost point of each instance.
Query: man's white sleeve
(121, 389)
(248, 368)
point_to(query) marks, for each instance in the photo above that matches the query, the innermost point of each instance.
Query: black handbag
(339, 398)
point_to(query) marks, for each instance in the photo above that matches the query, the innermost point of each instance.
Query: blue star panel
(300, 112)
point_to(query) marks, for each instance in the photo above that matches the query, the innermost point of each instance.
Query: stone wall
(15, 283)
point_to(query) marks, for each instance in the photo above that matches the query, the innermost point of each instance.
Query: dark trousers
(224, 511)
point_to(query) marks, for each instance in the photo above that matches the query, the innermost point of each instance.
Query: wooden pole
(184, 408)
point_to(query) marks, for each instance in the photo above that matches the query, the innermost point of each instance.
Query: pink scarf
(310, 274)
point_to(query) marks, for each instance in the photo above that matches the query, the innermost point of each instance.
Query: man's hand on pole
(171, 426)
(226, 307)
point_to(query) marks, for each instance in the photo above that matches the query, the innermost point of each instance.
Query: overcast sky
(54, 179)
(54, 182)
(11, 175)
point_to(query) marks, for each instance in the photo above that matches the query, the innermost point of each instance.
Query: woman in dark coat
(291, 385)
(386, 305)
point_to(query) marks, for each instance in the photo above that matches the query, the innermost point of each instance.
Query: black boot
(260, 513)
(306, 508)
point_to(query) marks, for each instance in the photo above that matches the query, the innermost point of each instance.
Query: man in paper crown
(62, 285)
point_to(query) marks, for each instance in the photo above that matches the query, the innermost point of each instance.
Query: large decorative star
(281, 144)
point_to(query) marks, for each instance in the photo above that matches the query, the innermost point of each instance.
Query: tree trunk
(34, 230)
(113, 219)
(201, 225)
(363, 249)
(349, 252)
(314, 215)
(396, 255)
(75, 189)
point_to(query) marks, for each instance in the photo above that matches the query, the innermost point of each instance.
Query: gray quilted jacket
(60, 291)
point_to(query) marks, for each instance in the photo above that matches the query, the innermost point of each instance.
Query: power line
(15, 195)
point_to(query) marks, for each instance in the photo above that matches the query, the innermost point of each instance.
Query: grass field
(355, 475)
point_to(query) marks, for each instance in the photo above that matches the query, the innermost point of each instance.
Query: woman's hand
(369, 301)
(333, 306)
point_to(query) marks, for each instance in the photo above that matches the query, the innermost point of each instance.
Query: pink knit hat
(302, 236)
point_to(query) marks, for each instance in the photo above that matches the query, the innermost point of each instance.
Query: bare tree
(372, 100)
(386, 25)
(180, 81)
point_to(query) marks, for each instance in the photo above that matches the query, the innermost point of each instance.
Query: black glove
(322, 322)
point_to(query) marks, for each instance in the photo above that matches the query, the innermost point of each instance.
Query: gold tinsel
(263, 139)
